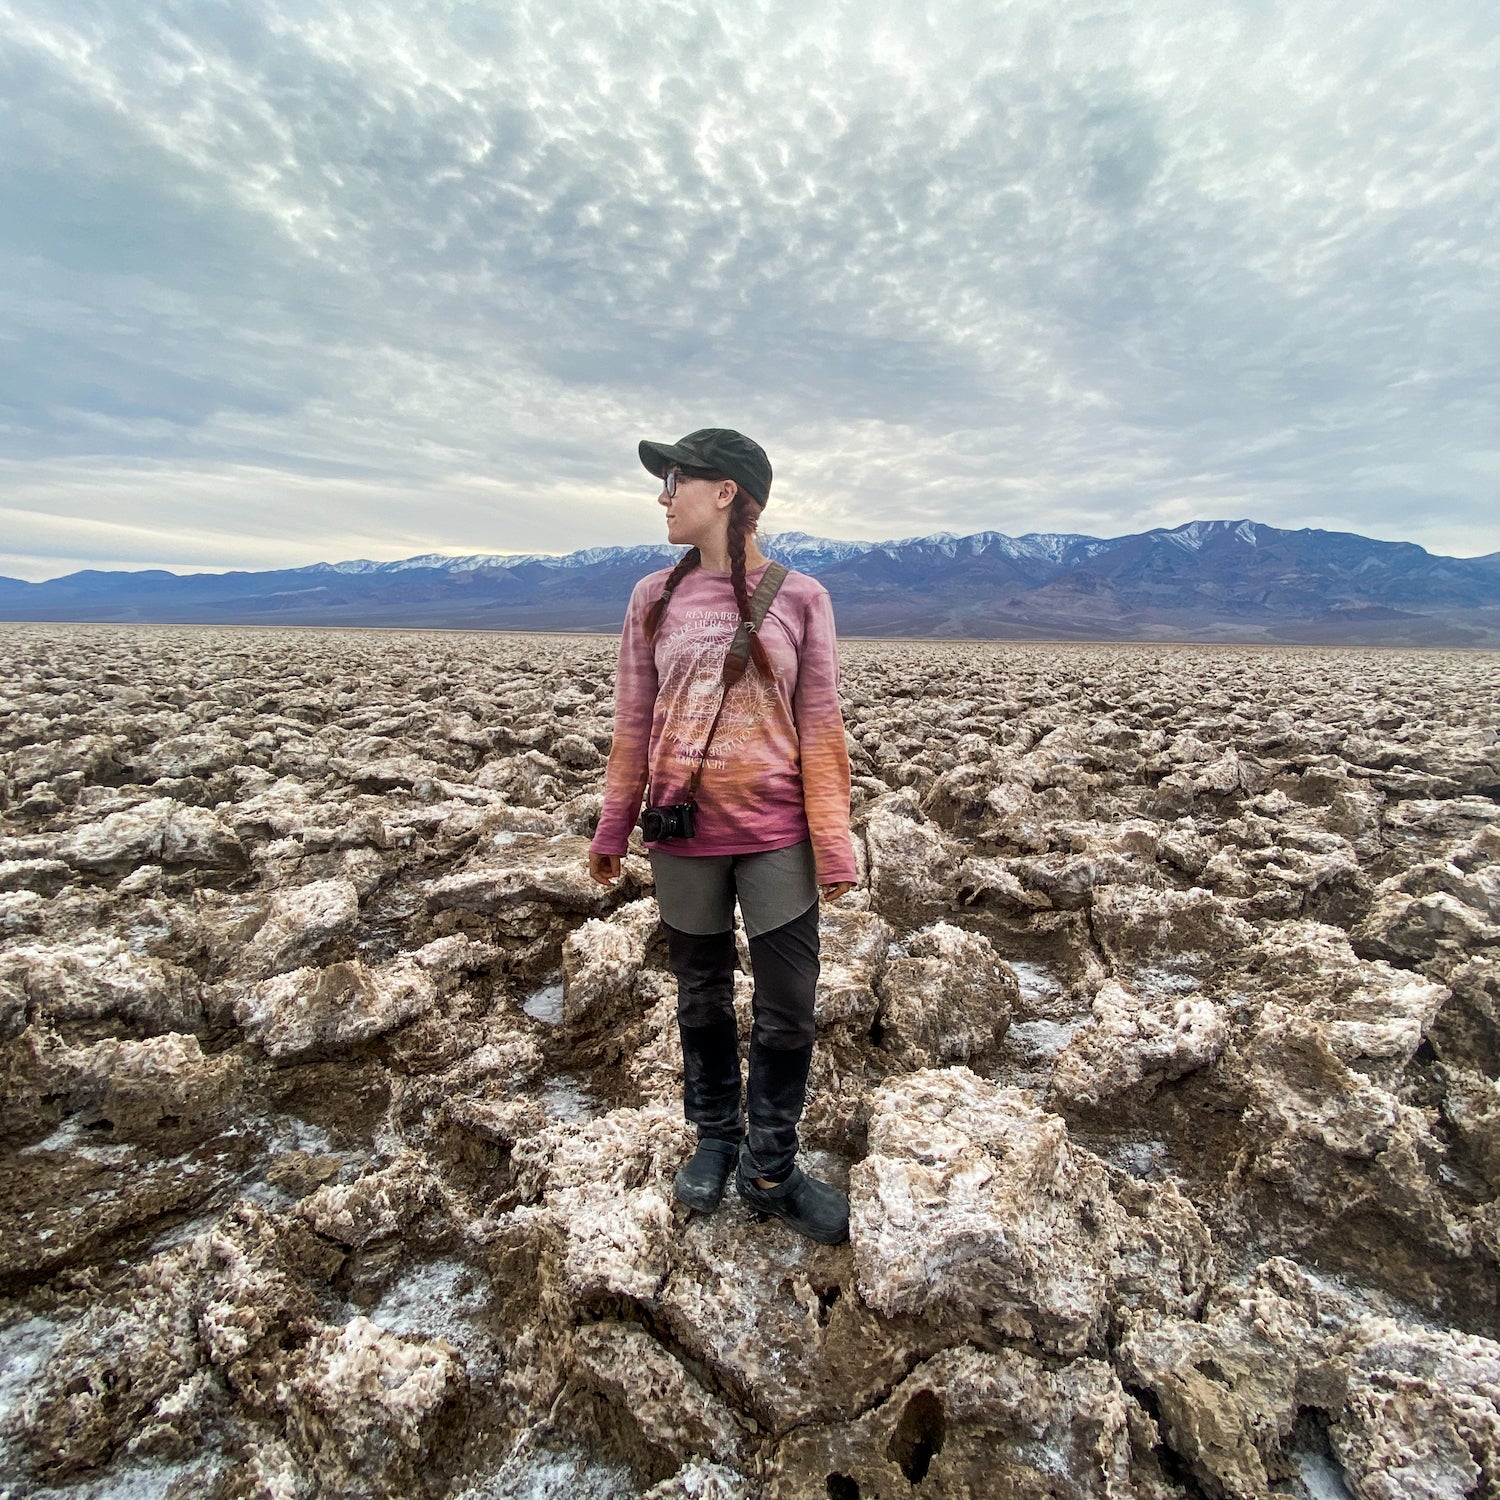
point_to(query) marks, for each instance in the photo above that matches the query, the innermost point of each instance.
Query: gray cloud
(282, 283)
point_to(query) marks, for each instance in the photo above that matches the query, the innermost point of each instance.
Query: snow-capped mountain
(796, 548)
(1204, 580)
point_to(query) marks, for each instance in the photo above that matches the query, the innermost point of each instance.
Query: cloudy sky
(287, 282)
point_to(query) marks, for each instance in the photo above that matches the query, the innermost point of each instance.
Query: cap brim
(659, 457)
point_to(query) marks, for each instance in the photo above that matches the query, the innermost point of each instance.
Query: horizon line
(209, 570)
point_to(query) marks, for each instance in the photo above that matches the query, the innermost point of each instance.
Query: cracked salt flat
(1423, 826)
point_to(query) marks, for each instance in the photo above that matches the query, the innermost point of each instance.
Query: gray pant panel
(696, 893)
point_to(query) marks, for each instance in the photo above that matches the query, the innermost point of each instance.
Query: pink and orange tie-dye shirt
(778, 768)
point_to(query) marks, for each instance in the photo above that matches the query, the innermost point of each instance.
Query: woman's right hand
(605, 868)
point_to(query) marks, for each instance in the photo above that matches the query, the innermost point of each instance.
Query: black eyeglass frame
(677, 471)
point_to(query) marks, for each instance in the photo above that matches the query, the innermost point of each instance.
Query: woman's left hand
(837, 889)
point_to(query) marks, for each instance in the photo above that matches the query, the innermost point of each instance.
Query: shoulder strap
(760, 604)
(739, 654)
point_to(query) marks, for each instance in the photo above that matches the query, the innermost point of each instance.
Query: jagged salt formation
(1158, 1049)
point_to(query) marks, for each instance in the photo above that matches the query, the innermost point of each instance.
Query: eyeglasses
(671, 478)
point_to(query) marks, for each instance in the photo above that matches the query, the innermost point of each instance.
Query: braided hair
(744, 519)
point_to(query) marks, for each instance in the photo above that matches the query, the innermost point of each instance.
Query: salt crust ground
(1158, 1050)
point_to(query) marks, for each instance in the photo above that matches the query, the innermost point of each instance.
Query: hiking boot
(813, 1208)
(700, 1184)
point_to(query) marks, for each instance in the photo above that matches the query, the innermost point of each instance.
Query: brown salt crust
(274, 904)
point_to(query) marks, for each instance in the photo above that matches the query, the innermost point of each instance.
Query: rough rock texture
(972, 1423)
(973, 1203)
(1159, 1049)
(314, 1011)
(601, 961)
(1135, 1045)
(948, 999)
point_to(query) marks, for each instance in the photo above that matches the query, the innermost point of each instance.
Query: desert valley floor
(1158, 1051)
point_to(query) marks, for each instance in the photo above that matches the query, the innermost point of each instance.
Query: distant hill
(1205, 581)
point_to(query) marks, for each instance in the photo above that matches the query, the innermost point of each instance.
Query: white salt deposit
(148, 1481)
(1323, 1477)
(288, 1133)
(65, 1137)
(1036, 980)
(441, 1299)
(1163, 980)
(546, 1475)
(564, 1098)
(1139, 1158)
(546, 1004)
(1038, 1041)
(23, 1348)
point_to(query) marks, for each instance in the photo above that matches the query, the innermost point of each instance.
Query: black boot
(711, 1100)
(778, 1088)
(711, 1078)
(700, 1184)
(816, 1209)
(777, 1091)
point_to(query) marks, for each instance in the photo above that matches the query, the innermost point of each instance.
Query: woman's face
(693, 512)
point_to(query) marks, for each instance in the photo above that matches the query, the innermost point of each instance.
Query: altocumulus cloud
(287, 282)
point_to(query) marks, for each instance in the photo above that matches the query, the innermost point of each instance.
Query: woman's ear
(729, 488)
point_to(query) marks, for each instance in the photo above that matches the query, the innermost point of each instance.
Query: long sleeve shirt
(777, 771)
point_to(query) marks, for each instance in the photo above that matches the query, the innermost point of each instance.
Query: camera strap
(739, 657)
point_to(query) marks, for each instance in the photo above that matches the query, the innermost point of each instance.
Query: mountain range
(1202, 581)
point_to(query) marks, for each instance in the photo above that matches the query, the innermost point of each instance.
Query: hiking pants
(777, 893)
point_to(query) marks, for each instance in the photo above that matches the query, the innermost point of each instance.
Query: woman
(772, 821)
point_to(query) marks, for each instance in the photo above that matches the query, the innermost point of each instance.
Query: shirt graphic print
(690, 663)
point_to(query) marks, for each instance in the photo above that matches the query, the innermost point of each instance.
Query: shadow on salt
(1322, 1477)
(146, 1480)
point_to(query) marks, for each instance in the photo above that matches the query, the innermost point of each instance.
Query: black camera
(674, 820)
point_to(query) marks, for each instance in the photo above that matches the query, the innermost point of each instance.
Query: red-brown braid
(685, 565)
(744, 517)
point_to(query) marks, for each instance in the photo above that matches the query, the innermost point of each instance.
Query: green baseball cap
(718, 448)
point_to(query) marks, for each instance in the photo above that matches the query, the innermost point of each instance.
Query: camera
(673, 820)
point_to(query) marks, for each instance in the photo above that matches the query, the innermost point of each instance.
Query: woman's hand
(837, 889)
(605, 868)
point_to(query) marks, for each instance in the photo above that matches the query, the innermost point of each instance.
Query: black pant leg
(705, 965)
(786, 964)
